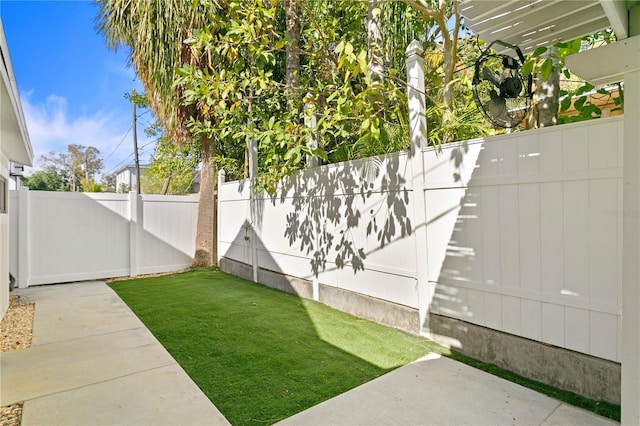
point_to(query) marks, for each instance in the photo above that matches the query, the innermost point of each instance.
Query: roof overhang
(533, 23)
(14, 138)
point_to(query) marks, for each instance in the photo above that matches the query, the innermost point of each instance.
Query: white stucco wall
(14, 146)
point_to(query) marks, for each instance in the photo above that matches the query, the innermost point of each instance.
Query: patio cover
(532, 23)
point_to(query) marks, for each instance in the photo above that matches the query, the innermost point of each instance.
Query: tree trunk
(547, 98)
(374, 42)
(292, 12)
(166, 183)
(450, 42)
(206, 233)
(246, 162)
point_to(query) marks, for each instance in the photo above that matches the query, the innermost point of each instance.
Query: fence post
(135, 221)
(253, 171)
(418, 133)
(311, 123)
(24, 222)
(631, 250)
(222, 175)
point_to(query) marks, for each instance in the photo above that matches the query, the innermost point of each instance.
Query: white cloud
(52, 128)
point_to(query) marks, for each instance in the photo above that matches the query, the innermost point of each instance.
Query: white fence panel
(73, 236)
(61, 237)
(345, 225)
(524, 234)
(168, 233)
(234, 219)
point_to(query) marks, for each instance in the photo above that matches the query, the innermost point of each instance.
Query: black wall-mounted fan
(500, 91)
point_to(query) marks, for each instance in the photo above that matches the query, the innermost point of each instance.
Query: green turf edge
(602, 408)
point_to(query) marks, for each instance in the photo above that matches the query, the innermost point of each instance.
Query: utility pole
(135, 144)
(86, 167)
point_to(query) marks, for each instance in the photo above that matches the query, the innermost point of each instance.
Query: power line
(120, 163)
(120, 143)
(130, 156)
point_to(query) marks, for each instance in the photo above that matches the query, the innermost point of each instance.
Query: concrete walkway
(439, 391)
(92, 361)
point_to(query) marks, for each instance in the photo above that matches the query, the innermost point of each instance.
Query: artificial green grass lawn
(261, 355)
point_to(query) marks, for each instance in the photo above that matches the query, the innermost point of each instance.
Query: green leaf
(527, 67)
(585, 88)
(565, 104)
(546, 68)
(579, 103)
(587, 111)
(539, 51)
(348, 48)
(567, 73)
(321, 153)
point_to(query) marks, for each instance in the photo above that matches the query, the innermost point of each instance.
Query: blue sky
(71, 85)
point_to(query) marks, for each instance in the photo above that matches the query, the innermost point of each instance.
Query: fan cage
(516, 109)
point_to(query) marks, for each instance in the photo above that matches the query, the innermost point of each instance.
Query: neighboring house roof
(132, 168)
(14, 138)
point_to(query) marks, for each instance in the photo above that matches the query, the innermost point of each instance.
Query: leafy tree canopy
(78, 165)
(46, 180)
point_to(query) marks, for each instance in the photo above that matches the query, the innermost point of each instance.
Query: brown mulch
(15, 333)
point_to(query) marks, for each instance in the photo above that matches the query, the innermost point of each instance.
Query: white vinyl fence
(344, 225)
(523, 232)
(61, 236)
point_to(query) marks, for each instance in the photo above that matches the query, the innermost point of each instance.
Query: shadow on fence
(330, 204)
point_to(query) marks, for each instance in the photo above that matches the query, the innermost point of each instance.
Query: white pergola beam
(618, 16)
(532, 23)
(613, 62)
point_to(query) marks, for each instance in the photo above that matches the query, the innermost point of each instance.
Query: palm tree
(155, 31)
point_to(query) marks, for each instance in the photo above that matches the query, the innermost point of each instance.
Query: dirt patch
(15, 333)
(17, 325)
(137, 277)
